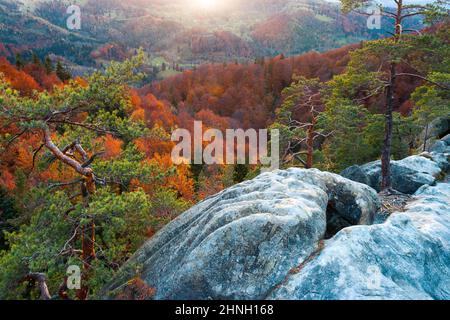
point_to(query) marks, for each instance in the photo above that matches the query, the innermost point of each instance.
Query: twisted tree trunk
(41, 280)
(87, 189)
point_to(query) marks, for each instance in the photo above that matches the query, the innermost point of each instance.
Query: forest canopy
(86, 175)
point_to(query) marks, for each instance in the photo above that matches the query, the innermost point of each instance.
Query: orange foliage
(7, 180)
(81, 82)
(158, 113)
(138, 115)
(19, 80)
(152, 146)
(135, 99)
(112, 147)
(180, 182)
(38, 72)
(136, 289)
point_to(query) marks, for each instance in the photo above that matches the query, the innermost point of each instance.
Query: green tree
(8, 211)
(62, 73)
(298, 137)
(35, 59)
(345, 122)
(48, 65)
(19, 61)
(240, 172)
(399, 14)
(51, 242)
(59, 118)
(432, 101)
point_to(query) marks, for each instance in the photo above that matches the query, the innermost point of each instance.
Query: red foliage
(136, 289)
(19, 80)
(240, 95)
(112, 147)
(7, 180)
(158, 113)
(45, 80)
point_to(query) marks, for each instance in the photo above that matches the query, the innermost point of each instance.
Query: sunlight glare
(207, 4)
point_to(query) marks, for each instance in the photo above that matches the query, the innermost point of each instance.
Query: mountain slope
(176, 32)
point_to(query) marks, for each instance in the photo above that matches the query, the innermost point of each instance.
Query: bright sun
(207, 4)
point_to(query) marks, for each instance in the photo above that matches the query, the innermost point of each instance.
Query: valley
(179, 35)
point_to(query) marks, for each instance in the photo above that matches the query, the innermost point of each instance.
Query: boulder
(439, 127)
(408, 175)
(446, 139)
(441, 159)
(408, 257)
(242, 242)
(440, 147)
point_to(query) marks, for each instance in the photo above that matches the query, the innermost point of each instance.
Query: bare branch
(424, 79)
(373, 93)
(78, 167)
(14, 138)
(82, 152)
(90, 127)
(414, 6)
(412, 14)
(35, 153)
(301, 160)
(413, 30)
(65, 184)
(386, 14)
(72, 238)
(319, 134)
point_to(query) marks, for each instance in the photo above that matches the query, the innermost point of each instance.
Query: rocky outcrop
(437, 129)
(408, 257)
(306, 234)
(242, 242)
(409, 174)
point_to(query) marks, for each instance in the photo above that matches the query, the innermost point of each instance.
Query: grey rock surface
(446, 139)
(306, 234)
(408, 257)
(242, 242)
(408, 175)
(440, 147)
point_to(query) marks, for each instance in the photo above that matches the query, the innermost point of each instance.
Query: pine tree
(35, 59)
(19, 61)
(240, 172)
(48, 65)
(399, 14)
(62, 73)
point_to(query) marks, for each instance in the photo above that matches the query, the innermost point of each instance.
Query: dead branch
(424, 79)
(77, 166)
(64, 249)
(65, 184)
